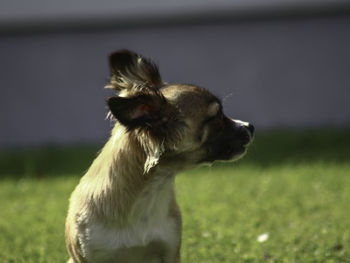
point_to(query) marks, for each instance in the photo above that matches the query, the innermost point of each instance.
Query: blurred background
(274, 63)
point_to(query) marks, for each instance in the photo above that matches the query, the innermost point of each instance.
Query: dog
(124, 208)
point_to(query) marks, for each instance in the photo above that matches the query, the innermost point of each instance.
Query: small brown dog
(124, 208)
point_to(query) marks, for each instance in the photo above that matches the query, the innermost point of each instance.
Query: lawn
(288, 200)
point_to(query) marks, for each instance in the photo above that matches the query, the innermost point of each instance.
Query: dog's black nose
(251, 128)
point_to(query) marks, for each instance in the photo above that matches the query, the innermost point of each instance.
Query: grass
(292, 186)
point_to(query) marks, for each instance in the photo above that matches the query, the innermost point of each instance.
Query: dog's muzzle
(245, 131)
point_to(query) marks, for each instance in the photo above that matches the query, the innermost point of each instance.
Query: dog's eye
(202, 135)
(204, 130)
(219, 115)
(209, 119)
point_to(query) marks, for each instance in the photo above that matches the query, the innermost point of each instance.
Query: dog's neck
(119, 188)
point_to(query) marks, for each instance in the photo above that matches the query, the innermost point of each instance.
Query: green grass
(293, 185)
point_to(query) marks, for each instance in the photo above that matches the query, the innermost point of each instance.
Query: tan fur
(116, 174)
(124, 209)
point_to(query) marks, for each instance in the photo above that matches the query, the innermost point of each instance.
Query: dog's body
(124, 208)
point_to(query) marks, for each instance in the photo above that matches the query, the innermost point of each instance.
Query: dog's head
(177, 125)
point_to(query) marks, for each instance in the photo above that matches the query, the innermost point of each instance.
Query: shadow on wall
(268, 149)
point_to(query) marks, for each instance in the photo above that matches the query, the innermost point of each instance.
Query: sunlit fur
(116, 195)
(124, 208)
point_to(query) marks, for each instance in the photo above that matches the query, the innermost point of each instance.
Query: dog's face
(209, 135)
(186, 122)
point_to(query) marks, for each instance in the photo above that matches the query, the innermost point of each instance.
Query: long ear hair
(132, 72)
(140, 106)
(150, 118)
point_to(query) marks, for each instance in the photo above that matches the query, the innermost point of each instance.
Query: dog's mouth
(230, 147)
(246, 140)
(238, 149)
(234, 153)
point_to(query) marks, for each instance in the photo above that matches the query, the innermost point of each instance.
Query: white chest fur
(148, 222)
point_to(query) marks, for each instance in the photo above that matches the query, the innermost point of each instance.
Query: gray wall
(19, 14)
(279, 72)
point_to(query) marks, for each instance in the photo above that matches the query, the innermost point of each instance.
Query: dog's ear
(142, 110)
(130, 70)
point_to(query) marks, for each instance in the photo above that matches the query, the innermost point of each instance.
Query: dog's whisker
(226, 97)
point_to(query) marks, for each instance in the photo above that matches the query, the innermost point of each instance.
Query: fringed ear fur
(131, 71)
(141, 105)
(153, 150)
(142, 110)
